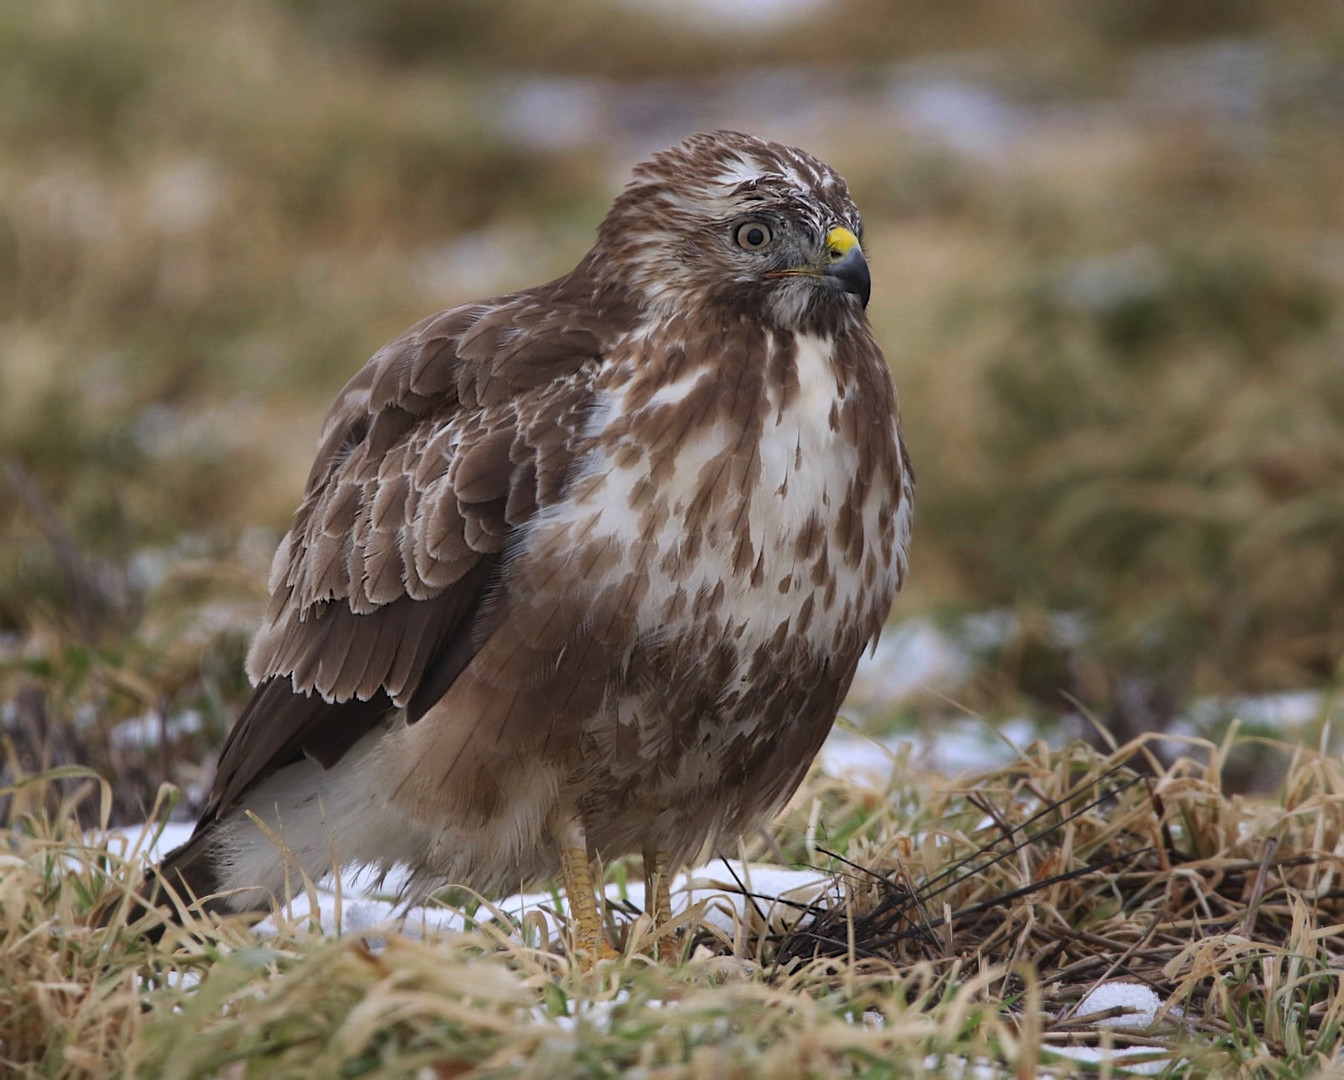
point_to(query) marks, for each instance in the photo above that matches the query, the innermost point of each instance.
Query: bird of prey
(584, 570)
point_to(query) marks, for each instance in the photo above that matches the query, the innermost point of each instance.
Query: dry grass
(1229, 909)
(965, 924)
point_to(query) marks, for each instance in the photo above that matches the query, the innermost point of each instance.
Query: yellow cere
(840, 241)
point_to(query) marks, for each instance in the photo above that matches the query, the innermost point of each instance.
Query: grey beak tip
(851, 274)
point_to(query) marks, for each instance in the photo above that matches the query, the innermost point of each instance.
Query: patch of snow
(359, 902)
(1289, 712)
(1140, 1005)
(911, 658)
(865, 761)
(151, 841)
(585, 1010)
(1119, 1061)
(956, 745)
(776, 892)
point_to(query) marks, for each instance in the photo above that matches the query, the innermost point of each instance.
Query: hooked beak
(848, 269)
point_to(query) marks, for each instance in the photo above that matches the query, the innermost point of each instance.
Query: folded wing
(432, 461)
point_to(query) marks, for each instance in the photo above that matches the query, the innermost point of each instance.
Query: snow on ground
(767, 896)
(1137, 1006)
(736, 895)
(959, 745)
(1137, 1009)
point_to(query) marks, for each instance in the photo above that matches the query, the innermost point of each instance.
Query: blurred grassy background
(1108, 245)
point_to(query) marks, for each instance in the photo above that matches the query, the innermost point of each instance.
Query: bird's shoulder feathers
(448, 440)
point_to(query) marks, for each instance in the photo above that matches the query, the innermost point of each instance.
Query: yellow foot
(657, 887)
(576, 873)
(605, 951)
(658, 904)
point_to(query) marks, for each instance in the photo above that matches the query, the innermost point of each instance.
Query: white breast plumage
(805, 468)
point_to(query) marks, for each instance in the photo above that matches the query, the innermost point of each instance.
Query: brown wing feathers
(446, 441)
(281, 725)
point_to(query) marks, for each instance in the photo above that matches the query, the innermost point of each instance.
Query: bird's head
(732, 222)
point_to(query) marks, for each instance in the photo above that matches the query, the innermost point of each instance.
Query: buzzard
(582, 570)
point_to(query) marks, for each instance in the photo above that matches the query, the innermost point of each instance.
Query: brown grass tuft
(965, 922)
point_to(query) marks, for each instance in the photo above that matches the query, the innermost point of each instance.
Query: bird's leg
(657, 887)
(576, 874)
(658, 899)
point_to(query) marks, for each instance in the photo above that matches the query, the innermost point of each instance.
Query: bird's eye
(753, 235)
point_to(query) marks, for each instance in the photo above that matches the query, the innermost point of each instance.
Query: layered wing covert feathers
(432, 457)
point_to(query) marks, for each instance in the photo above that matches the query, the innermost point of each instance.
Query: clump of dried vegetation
(965, 925)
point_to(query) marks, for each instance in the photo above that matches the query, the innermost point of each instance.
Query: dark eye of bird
(753, 235)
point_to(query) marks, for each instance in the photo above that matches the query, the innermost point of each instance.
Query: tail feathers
(190, 875)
